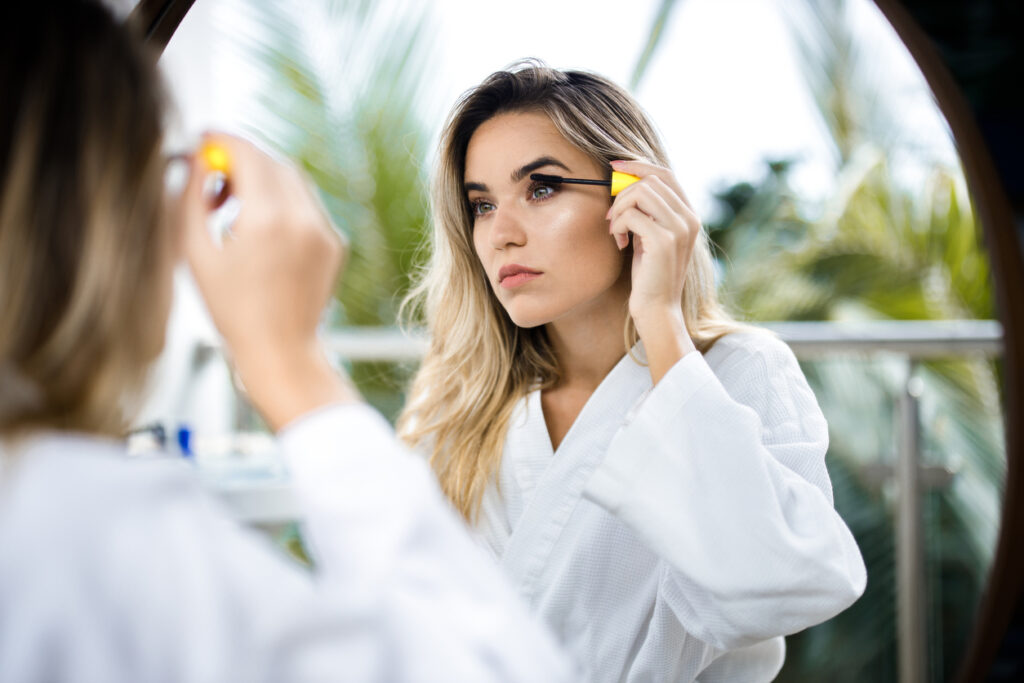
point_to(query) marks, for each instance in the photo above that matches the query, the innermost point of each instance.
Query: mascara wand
(619, 182)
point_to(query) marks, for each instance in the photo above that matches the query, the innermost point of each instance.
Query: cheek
(481, 252)
(602, 252)
(591, 251)
(478, 245)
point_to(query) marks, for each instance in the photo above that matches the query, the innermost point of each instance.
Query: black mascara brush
(617, 184)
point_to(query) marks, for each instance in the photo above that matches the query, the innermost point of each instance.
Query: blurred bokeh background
(824, 173)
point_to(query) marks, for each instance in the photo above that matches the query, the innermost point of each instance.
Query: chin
(528, 317)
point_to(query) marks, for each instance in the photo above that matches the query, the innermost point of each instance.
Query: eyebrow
(521, 172)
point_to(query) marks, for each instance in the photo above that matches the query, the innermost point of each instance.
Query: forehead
(509, 141)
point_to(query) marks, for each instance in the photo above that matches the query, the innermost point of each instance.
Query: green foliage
(880, 248)
(653, 41)
(348, 114)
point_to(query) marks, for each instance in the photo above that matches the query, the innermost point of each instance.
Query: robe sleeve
(376, 521)
(724, 477)
(126, 570)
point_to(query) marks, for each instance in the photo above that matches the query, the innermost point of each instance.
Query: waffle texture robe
(678, 532)
(117, 569)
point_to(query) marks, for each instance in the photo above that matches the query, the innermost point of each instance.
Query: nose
(506, 229)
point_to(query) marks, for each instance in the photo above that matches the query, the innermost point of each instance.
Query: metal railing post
(910, 571)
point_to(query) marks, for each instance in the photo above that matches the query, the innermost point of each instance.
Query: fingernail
(608, 215)
(617, 162)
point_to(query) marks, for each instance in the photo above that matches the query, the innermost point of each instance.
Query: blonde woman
(119, 569)
(661, 500)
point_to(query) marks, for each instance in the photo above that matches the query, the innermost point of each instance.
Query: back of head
(82, 244)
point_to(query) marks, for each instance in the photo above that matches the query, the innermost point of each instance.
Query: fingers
(268, 190)
(644, 170)
(633, 220)
(638, 217)
(650, 201)
(652, 186)
(270, 276)
(251, 172)
(280, 206)
(649, 195)
(658, 196)
(278, 195)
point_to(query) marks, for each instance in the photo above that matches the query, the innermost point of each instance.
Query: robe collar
(553, 482)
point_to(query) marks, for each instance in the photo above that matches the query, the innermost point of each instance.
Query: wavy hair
(478, 362)
(83, 243)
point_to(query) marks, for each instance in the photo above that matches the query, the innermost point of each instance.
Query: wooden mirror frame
(157, 20)
(1002, 596)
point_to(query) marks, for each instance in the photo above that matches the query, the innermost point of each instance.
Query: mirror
(808, 139)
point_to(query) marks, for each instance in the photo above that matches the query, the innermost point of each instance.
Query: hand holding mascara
(265, 286)
(656, 216)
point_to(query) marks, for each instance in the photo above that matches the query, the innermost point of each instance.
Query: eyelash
(474, 205)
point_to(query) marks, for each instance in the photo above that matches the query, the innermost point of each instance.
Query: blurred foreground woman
(118, 569)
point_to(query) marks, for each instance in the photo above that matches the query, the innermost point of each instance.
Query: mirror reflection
(810, 149)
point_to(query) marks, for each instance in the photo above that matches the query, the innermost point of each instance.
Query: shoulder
(751, 350)
(65, 480)
(759, 370)
(90, 535)
(82, 526)
(72, 499)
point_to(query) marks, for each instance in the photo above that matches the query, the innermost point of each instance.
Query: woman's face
(545, 248)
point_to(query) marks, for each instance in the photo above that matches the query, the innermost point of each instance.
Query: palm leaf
(348, 112)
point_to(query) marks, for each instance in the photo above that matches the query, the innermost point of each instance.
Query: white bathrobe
(122, 570)
(678, 533)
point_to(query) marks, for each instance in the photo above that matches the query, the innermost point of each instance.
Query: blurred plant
(345, 79)
(882, 258)
(661, 20)
(883, 246)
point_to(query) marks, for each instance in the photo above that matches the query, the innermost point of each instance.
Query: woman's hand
(665, 228)
(267, 282)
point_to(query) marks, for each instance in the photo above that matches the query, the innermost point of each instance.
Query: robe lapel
(559, 486)
(533, 446)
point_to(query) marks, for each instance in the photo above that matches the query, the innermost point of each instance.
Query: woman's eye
(481, 208)
(541, 191)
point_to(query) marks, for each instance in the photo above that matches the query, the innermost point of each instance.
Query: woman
(662, 502)
(119, 569)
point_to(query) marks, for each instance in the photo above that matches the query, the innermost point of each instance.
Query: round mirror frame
(1002, 596)
(158, 19)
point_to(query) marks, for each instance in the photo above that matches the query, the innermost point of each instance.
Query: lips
(514, 275)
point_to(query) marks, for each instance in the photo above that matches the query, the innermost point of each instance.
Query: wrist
(656, 319)
(665, 337)
(284, 382)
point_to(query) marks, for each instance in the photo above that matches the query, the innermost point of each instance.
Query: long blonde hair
(478, 363)
(82, 239)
